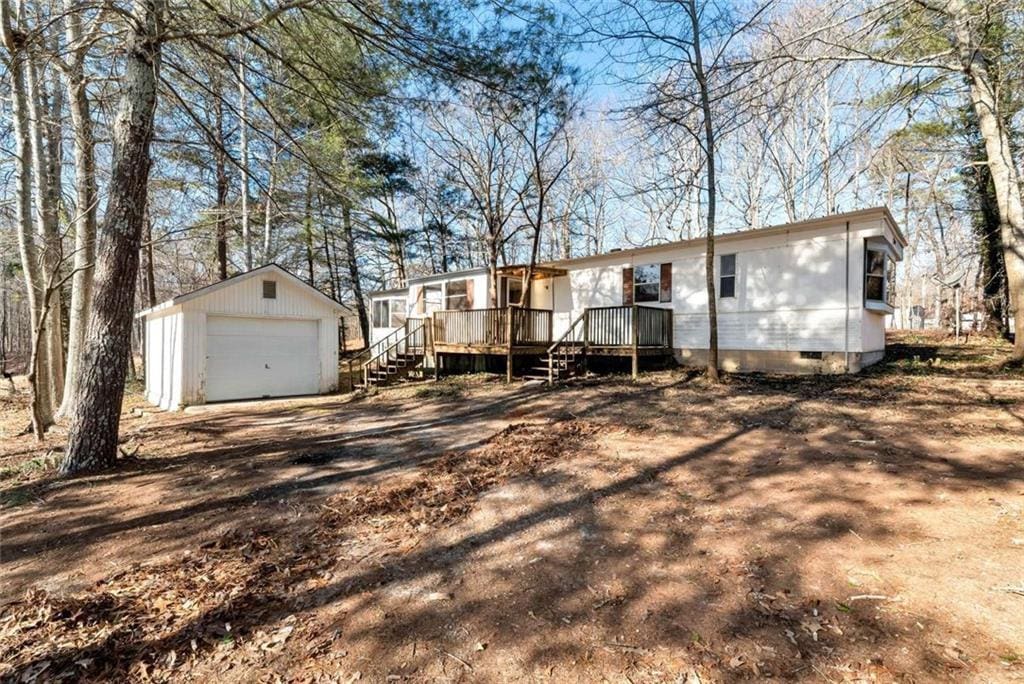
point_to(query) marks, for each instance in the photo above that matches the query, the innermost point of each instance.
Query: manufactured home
(810, 296)
(263, 333)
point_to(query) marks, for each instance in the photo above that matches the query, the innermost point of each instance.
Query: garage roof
(234, 280)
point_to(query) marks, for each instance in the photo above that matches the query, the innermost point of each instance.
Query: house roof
(392, 292)
(798, 226)
(539, 271)
(554, 267)
(430, 278)
(236, 279)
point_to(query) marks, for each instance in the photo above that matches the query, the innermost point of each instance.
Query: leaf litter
(152, 622)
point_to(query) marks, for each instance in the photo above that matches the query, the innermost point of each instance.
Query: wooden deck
(517, 334)
(512, 330)
(614, 331)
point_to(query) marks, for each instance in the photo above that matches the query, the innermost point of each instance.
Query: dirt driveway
(667, 530)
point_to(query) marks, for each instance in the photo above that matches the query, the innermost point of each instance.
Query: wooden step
(543, 370)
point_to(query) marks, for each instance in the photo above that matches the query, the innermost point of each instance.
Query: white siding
(164, 359)
(481, 299)
(799, 290)
(177, 341)
(791, 292)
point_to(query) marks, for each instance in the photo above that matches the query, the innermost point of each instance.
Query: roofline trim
(781, 229)
(234, 280)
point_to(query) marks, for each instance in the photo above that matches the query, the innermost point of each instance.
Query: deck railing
(493, 327)
(654, 326)
(617, 326)
(606, 326)
(471, 327)
(530, 327)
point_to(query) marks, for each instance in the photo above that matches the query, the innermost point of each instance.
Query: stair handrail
(561, 341)
(382, 343)
(386, 352)
(568, 330)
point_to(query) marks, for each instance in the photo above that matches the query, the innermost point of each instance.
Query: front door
(511, 291)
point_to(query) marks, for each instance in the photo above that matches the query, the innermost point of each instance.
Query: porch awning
(539, 272)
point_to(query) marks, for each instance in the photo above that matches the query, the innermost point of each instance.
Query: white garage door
(260, 357)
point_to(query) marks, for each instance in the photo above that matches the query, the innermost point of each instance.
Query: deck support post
(635, 343)
(668, 328)
(586, 337)
(508, 341)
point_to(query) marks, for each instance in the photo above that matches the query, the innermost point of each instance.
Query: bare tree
(473, 139)
(936, 39)
(80, 38)
(93, 431)
(243, 154)
(695, 82)
(540, 121)
(20, 66)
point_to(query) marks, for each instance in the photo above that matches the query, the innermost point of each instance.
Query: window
(397, 306)
(878, 276)
(381, 315)
(513, 290)
(811, 355)
(428, 300)
(646, 283)
(269, 289)
(727, 275)
(460, 295)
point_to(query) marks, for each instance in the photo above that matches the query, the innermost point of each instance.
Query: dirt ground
(866, 528)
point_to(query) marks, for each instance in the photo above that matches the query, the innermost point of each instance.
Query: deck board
(520, 350)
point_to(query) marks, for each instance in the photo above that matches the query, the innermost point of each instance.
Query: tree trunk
(18, 65)
(442, 243)
(85, 205)
(307, 225)
(986, 224)
(268, 210)
(221, 173)
(331, 271)
(39, 422)
(995, 133)
(709, 151)
(93, 433)
(52, 101)
(353, 272)
(50, 371)
(492, 265)
(243, 150)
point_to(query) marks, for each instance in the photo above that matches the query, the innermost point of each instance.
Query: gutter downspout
(846, 329)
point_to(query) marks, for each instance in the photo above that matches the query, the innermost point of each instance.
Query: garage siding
(164, 359)
(177, 337)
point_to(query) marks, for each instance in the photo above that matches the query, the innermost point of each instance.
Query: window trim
(887, 277)
(722, 275)
(463, 296)
(507, 289)
(400, 310)
(386, 304)
(637, 283)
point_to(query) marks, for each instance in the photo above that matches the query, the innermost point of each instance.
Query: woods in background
(153, 147)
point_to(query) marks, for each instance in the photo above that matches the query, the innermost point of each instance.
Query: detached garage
(260, 334)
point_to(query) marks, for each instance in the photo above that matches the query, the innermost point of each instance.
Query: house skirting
(760, 360)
